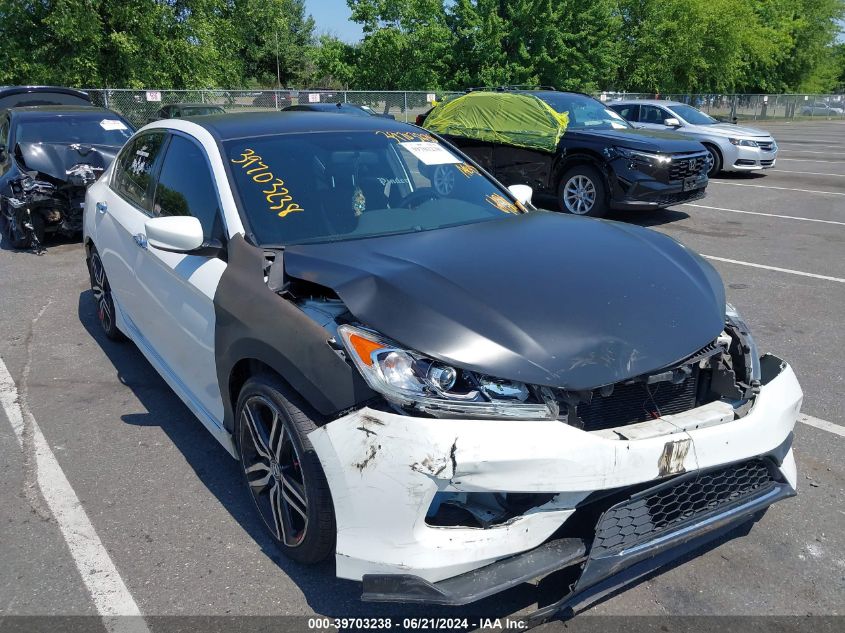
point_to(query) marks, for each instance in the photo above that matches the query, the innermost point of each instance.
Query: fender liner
(255, 323)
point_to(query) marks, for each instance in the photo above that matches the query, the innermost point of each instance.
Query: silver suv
(731, 147)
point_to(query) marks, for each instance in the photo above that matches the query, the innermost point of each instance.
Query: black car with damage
(48, 157)
(570, 146)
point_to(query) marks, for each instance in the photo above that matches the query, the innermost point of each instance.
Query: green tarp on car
(512, 118)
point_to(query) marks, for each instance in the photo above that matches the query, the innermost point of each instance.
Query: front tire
(715, 161)
(18, 237)
(582, 192)
(281, 470)
(101, 290)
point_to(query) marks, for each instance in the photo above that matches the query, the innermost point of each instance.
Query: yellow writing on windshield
(408, 136)
(501, 203)
(466, 170)
(278, 196)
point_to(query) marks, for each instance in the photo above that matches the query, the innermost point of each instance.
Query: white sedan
(409, 376)
(731, 147)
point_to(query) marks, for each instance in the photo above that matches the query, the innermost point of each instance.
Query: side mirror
(523, 193)
(175, 233)
(672, 122)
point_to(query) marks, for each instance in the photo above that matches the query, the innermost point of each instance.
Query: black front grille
(637, 402)
(765, 146)
(670, 506)
(687, 167)
(669, 199)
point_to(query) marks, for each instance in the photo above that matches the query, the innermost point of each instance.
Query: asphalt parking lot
(174, 533)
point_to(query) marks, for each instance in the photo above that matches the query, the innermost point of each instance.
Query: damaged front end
(513, 434)
(607, 484)
(39, 204)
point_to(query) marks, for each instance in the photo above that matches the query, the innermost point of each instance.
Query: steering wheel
(419, 196)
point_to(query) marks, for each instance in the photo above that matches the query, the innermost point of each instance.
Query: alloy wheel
(579, 195)
(272, 465)
(102, 292)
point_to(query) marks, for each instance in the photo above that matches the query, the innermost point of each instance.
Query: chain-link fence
(142, 106)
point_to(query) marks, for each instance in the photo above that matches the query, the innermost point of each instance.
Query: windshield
(320, 187)
(102, 128)
(693, 116)
(584, 112)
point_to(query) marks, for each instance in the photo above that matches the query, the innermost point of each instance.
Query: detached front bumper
(385, 469)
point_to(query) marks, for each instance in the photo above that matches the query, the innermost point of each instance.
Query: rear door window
(628, 112)
(134, 172)
(653, 114)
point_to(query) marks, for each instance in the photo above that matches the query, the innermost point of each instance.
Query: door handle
(102, 207)
(140, 240)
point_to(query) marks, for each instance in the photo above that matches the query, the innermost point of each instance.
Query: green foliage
(407, 44)
(661, 46)
(570, 44)
(152, 43)
(271, 30)
(331, 63)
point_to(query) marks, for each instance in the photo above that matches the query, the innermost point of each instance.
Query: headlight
(648, 158)
(410, 379)
(743, 142)
(733, 317)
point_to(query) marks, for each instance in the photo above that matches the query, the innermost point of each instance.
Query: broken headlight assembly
(743, 344)
(409, 379)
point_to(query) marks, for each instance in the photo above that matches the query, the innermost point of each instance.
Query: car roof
(328, 106)
(14, 90)
(244, 124)
(34, 111)
(663, 102)
(191, 105)
(545, 91)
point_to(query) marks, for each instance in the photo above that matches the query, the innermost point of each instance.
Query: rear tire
(103, 301)
(282, 473)
(715, 161)
(582, 192)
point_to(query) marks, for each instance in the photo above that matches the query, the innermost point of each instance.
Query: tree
(406, 45)
(273, 36)
(331, 63)
(117, 43)
(569, 44)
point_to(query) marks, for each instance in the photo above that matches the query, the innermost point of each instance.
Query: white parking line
(808, 160)
(809, 173)
(775, 268)
(824, 425)
(808, 151)
(769, 215)
(742, 184)
(108, 591)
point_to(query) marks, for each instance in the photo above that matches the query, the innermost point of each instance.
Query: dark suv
(601, 161)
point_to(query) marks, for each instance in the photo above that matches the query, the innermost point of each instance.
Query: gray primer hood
(544, 298)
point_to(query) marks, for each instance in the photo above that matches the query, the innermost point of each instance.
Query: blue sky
(332, 16)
